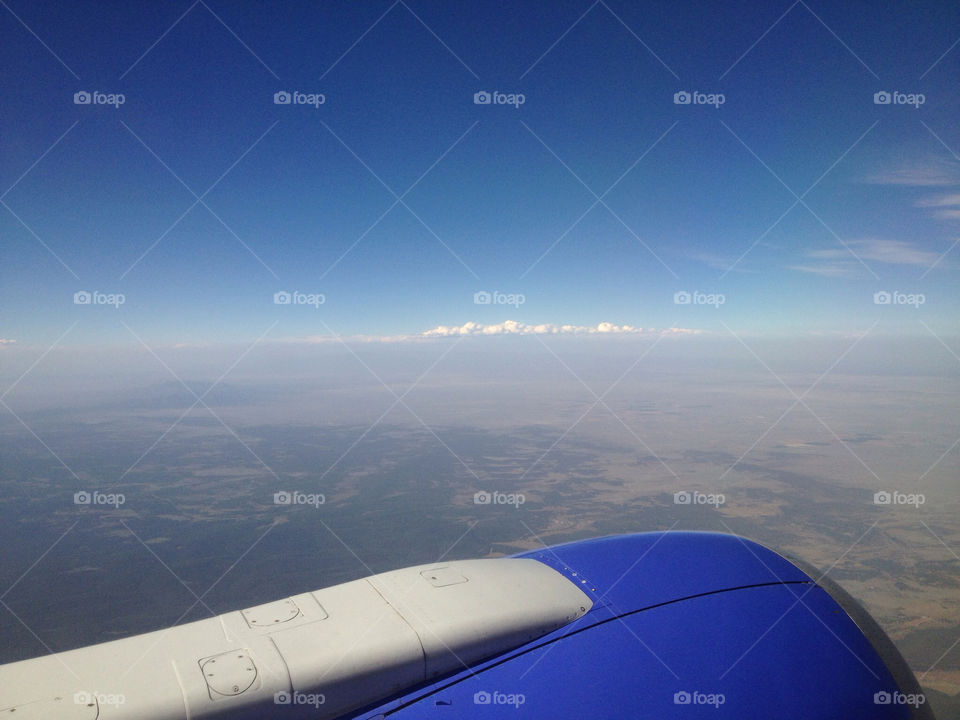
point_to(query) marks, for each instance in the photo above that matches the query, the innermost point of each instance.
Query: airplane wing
(658, 625)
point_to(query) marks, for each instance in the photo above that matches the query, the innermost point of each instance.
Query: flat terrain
(199, 532)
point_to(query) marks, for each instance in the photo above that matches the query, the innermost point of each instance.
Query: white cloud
(839, 261)
(7, 341)
(928, 173)
(934, 172)
(726, 263)
(827, 270)
(940, 201)
(513, 327)
(507, 327)
(893, 252)
(947, 206)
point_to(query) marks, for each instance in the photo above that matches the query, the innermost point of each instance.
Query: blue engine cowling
(685, 625)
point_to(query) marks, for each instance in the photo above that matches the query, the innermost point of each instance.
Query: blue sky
(397, 199)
